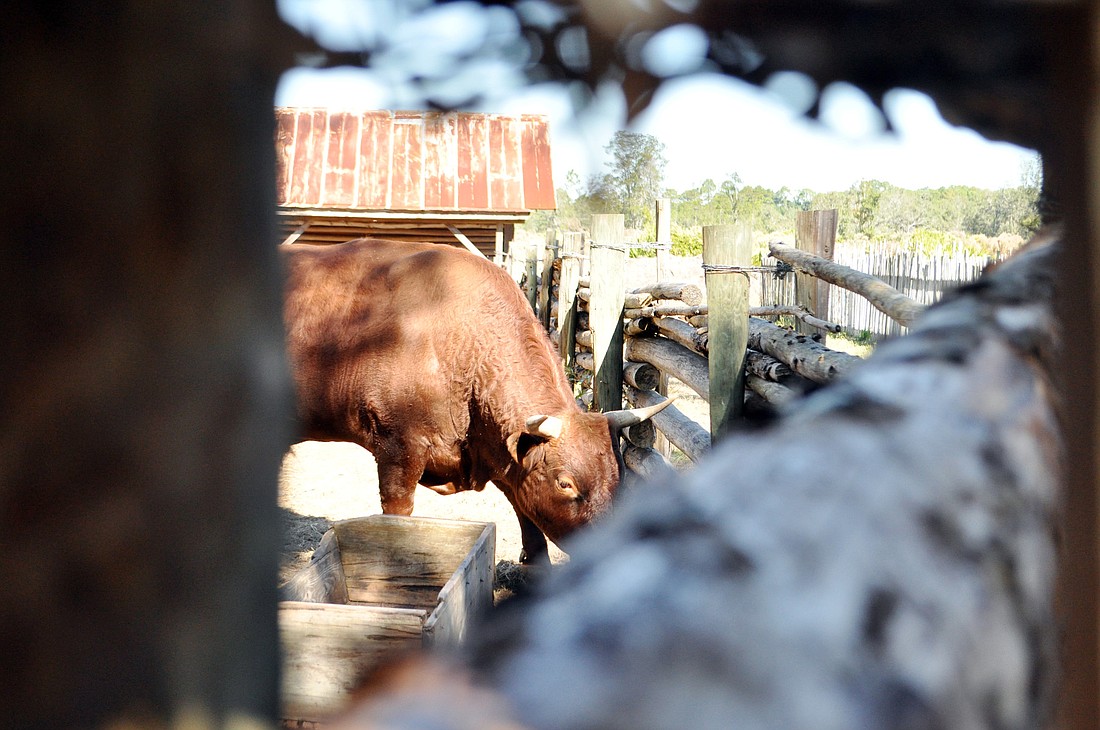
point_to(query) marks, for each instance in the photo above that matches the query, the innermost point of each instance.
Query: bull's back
(378, 323)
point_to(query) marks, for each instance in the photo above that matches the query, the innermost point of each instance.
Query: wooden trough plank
(322, 581)
(401, 561)
(467, 594)
(329, 648)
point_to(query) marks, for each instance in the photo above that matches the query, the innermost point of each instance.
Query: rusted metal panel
(376, 141)
(440, 161)
(538, 176)
(407, 163)
(309, 137)
(473, 181)
(505, 169)
(454, 162)
(341, 158)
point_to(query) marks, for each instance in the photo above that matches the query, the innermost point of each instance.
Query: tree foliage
(871, 210)
(636, 169)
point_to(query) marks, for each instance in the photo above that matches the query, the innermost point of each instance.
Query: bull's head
(570, 466)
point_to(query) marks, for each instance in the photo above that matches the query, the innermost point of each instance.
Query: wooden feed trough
(377, 586)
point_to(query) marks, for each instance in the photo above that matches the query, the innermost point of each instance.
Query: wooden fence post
(532, 289)
(550, 252)
(572, 245)
(605, 308)
(815, 233)
(664, 237)
(664, 251)
(728, 299)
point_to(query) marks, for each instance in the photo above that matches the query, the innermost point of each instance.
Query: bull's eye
(567, 487)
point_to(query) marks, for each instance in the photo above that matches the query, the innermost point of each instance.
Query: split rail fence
(627, 344)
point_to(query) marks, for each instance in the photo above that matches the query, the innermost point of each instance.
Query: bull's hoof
(517, 579)
(538, 560)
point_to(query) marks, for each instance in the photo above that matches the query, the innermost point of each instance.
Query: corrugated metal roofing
(453, 162)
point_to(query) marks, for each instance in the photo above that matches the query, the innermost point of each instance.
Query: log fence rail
(616, 342)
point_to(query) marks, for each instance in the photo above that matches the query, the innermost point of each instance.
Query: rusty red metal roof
(451, 162)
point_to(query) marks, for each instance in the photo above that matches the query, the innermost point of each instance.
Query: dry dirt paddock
(323, 482)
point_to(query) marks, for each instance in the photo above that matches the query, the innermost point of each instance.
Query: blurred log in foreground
(894, 571)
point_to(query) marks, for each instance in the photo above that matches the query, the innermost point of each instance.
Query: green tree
(636, 171)
(865, 198)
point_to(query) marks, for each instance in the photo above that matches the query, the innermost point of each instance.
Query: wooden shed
(454, 177)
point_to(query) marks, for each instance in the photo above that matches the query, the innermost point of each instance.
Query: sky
(711, 126)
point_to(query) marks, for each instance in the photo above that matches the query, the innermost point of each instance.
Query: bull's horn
(621, 419)
(546, 426)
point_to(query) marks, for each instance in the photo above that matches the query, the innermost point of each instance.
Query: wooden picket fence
(924, 277)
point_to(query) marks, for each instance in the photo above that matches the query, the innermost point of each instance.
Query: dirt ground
(323, 482)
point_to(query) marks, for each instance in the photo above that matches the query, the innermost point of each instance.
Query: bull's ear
(519, 443)
(546, 426)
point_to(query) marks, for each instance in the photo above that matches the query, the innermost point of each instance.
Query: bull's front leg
(534, 550)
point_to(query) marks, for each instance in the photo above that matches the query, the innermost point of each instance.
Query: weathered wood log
(770, 391)
(641, 375)
(800, 313)
(585, 399)
(882, 296)
(701, 320)
(632, 300)
(758, 411)
(689, 294)
(665, 309)
(682, 432)
(670, 357)
(647, 463)
(680, 331)
(761, 590)
(766, 366)
(643, 434)
(809, 359)
(585, 360)
(639, 327)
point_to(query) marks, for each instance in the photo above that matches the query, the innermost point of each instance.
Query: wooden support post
(608, 257)
(815, 234)
(572, 245)
(532, 289)
(1071, 176)
(498, 245)
(728, 298)
(549, 253)
(663, 238)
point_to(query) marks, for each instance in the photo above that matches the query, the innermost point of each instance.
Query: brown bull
(430, 357)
